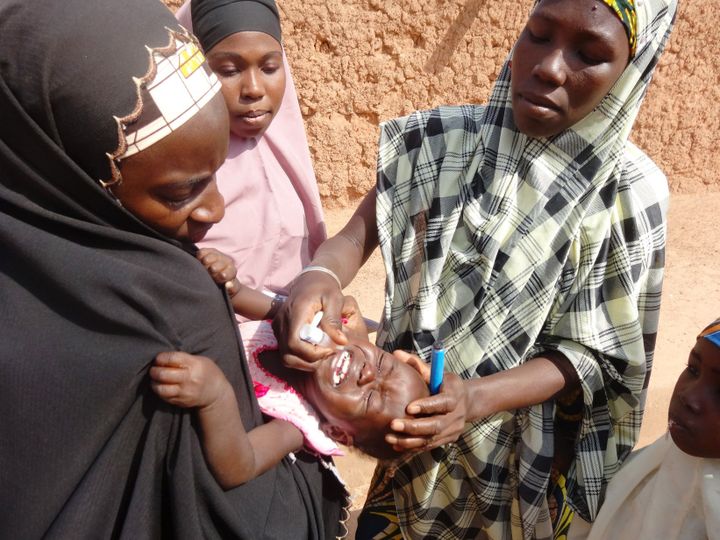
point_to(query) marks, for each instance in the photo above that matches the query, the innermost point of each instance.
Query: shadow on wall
(440, 59)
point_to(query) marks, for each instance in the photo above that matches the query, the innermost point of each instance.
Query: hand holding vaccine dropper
(313, 334)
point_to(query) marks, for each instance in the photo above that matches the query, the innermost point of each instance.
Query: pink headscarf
(273, 218)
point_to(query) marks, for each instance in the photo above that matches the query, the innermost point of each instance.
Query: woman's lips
(253, 117)
(196, 234)
(538, 106)
(675, 425)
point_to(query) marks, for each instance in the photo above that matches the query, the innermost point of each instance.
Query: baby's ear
(337, 433)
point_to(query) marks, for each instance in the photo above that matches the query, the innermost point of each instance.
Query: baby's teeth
(343, 363)
(344, 371)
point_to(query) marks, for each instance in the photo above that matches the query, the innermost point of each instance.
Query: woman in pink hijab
(273, 219)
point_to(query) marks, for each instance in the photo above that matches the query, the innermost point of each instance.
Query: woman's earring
(509, 64)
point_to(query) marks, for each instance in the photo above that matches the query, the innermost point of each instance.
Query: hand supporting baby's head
(694, 413)
(359, 390)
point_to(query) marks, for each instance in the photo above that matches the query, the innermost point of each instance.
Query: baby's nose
(367, 374)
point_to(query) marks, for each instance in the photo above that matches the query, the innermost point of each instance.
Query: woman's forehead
(622, 11)
(707, 353)
(712, 333)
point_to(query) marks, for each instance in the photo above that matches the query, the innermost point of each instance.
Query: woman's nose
(252, 87)
(212, 205)
(551, 68)
(692, 399)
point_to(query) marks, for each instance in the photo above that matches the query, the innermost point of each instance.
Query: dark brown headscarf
(214, 20)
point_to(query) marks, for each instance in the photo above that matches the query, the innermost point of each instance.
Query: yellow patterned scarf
(625, 10)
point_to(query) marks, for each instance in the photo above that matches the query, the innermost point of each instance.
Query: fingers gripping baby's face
(414, 362)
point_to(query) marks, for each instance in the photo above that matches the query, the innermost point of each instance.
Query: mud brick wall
(359, 62)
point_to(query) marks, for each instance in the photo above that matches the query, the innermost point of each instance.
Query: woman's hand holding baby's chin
(438, 419)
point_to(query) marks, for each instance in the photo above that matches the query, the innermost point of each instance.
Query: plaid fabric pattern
(504, 247)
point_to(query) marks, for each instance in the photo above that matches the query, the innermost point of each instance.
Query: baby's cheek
(395, 408)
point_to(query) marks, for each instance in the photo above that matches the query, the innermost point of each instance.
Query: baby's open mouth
(340, 366)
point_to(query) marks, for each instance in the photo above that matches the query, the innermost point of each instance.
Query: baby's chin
(379, 449)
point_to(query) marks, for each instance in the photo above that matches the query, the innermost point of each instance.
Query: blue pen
(437, 365)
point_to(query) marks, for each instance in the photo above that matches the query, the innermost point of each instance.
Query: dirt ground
(691, 299)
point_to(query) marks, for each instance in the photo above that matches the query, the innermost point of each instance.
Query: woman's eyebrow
(271, 54)
(232, 55)
(590, 34)
(186, 183)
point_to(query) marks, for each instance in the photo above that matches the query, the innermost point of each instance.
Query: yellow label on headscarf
(191, 58)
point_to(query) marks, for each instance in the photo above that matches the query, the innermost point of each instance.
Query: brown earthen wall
(359, 62)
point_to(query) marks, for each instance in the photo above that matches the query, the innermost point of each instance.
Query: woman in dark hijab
(112, 128)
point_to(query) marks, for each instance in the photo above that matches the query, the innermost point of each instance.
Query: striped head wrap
(712, 333)
(625, 10)
(177, 85)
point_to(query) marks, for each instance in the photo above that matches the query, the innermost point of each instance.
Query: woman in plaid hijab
(527, 234)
